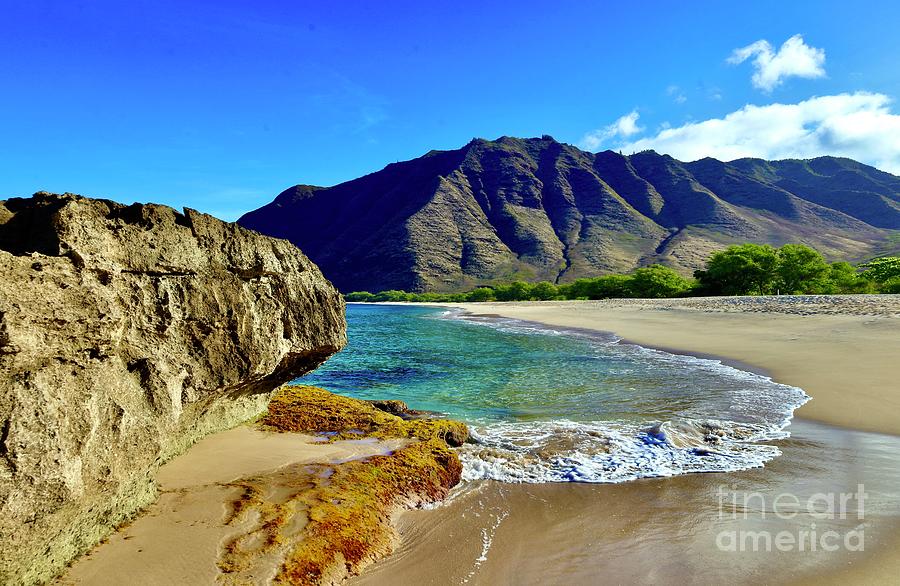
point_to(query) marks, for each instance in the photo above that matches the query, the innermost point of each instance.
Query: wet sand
(660, 530)
(179, 538)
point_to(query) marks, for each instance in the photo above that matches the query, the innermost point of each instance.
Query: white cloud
(859, 125)
(794, 59)
(623, 127)
(676, 94)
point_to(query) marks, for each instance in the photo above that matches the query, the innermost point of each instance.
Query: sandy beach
(842, 351)
(179, 538)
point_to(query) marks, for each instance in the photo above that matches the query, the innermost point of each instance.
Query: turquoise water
(549, 404)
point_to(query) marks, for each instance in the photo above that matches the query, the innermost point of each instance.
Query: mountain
(538, 209)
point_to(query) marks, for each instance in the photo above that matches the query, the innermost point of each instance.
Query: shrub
(744, 269)
(657, 281)
(480, 294)
(800, 269)
(844, 278)
(882, 270)
(363, 296)
(515, 291)
(891, 285)
(392, 295)
(544, 291)
(610, 287)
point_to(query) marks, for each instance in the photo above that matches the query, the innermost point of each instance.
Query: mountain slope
(538, 209)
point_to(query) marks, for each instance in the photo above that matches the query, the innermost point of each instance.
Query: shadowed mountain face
(537, 209)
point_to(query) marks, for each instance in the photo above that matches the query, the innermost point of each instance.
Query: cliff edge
(126, 334)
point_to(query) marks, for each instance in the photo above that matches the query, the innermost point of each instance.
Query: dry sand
(178, 539)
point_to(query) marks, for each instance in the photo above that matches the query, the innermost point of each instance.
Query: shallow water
(550, 405)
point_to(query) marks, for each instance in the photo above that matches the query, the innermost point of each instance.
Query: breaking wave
(726, 431)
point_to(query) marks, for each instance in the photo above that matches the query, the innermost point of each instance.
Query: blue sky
(221, 105)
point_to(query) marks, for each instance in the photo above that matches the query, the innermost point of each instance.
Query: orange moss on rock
(345, 508)
(314, 410)
(349, 514)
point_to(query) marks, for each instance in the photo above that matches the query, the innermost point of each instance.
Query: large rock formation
(538, 209)
(127, 333)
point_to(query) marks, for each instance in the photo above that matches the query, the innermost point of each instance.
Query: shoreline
(732, 362)
(844, 361)
(655, 529)
(830, 449)
(547, 531)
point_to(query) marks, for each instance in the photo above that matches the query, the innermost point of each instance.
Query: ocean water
(556, 405)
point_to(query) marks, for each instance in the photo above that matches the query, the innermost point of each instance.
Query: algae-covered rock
(349, 516)
(400, 409)
(127, 333)
(311, 409)
(327, 521)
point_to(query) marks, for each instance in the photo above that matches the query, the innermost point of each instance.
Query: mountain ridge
(539, 209)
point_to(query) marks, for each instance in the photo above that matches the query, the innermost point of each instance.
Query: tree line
(744, 269)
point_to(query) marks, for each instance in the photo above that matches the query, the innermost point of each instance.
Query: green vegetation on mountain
(745, 269)
(536, 210)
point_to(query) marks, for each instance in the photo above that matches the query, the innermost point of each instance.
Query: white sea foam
(568, 451)
(487, 539)
(728, 430)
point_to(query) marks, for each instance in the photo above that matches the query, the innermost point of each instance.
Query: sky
(219, 106)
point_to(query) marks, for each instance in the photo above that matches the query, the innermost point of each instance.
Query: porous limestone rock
(126, 334)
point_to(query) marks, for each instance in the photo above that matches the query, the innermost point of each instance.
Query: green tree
(577, 289)
(800, 269)
(844, 278)
(744, 269)
(392, 295)
(480, 294)
(610, 287)
(564, 291)
(515, 291)
(657, 281)
(544, 291)
(892, 285)
(364, 296)
(603, 287)
(882, 270)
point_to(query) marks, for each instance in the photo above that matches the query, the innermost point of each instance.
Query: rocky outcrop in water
(127, 333)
